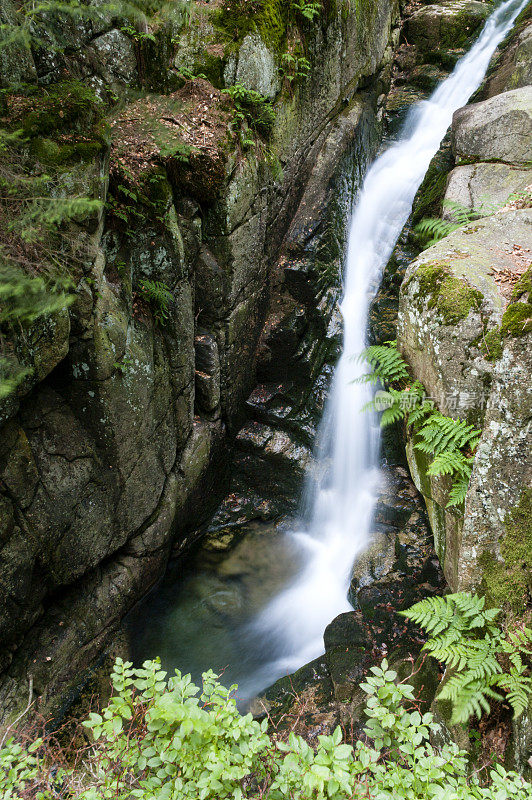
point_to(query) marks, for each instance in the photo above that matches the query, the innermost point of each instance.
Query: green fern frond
(439, 433)
(159, 296)
(518, 687)
(468, 698)
(443, 438)
(433, 614)
(463, 636)
(422, 410)
(458, 492)
(451, 462)
(386, 362)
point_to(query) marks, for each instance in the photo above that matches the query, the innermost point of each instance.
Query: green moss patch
(523, 286)
(508, 583)
(51, 153)
(491, 345)
(517, 319)
(62, 106)
(269, 18)
(452, 297)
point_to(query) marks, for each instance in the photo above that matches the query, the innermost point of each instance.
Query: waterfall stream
(339, 504)
(339, 498)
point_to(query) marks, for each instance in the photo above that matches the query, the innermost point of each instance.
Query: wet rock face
(116, 451)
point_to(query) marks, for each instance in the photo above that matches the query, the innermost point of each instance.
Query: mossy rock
(51, 153)
(517, 319)
(452, 297)
(508, 581)
(491, 345)
(523, 286)
(269, 18)
(68, 105)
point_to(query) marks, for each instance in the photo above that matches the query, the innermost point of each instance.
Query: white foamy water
(340, 503)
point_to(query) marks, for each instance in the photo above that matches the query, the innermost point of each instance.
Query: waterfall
(340, 501)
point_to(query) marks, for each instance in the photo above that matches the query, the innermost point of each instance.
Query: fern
(458, 491)
(159, 297)
(387, 364)
(449, 442)
(439, 433)
(464, 637)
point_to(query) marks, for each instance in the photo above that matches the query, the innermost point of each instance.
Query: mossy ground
(452, 297)
(508, 583)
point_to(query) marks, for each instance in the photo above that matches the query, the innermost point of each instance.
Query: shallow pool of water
(199, 617)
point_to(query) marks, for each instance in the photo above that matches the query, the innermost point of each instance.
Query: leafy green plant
(136, 35)
(435, 229)
(166, 739)
(251, 109)
(448, 442)
(125, 366)
(190, 75)
(309, 9)
(19, 768)
(159, 296)
(480, 656)
(294, 68)
(178, 151)
(387, 364)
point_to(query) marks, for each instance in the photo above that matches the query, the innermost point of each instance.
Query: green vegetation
(251, 109)
(294, 67)
(491, 345)
(269, 18)
(507, 581)
(479, 656)
(452, 297)
(159, 296)
(32, 26)
(517, 319)
(449, 443)
(166, 739)
(309, 9)
(39, 250)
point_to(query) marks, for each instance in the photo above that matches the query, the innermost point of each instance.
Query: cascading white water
(340, 502)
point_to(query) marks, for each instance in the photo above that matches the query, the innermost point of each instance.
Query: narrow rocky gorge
(147, 428)
(115, 450)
